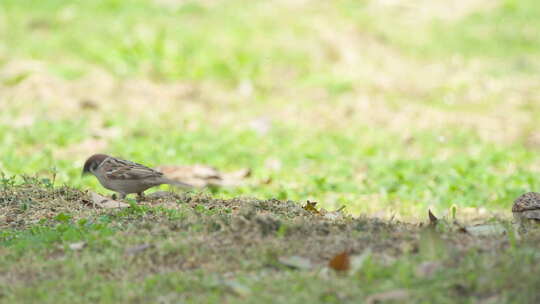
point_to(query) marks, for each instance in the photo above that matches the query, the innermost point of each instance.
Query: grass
(200, 249)
(387, 108)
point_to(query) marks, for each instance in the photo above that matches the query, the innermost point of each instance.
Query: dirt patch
(213, 241)
(229, 231)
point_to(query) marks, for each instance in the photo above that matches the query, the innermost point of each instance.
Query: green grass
(207, 250)
(214, 49)
(383, 108)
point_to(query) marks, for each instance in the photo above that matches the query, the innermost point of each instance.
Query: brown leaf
(106, 203)
(392, 295)
(432, 218)
(310, 207)
(340, 262)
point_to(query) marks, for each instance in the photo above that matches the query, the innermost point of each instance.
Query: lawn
(385, 108)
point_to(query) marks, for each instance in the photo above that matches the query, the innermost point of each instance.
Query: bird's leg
(140, 196)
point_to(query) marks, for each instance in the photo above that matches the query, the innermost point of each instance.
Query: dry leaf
(432, 218)
(77, 246)
(392, 295)
(310, 207)
(340, 262)
(295, 261)
(106, 203)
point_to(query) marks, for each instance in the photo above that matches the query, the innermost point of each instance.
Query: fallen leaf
(432, 218)
(137, 249)
(310, 206)
(100, 201)
(392, 295)
(77, 246)
(340, 262)
(297, 262)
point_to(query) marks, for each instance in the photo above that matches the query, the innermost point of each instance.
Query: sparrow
(125, 177)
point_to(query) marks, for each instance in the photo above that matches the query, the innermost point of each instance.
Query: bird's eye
(93, 167)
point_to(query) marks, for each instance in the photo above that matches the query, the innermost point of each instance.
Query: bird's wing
(123, 169)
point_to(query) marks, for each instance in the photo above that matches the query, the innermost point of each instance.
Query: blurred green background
(387, 107)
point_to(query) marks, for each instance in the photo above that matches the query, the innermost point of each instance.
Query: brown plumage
(124, 176)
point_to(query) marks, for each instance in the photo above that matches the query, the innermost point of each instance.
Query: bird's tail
(180, 184)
